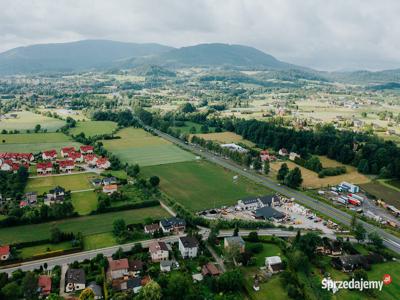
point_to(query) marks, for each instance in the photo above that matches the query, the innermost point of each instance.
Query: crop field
(92, 128)
(225, 138)
(84, 202)
(27, 120)
(382, 191)
(201, 185)
(311, 179)
(35, 142)
(139, 146)
(86, 225)
(73, 182)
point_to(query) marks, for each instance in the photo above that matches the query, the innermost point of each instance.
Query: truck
(356, 197)
(354, 201)
(342, 200)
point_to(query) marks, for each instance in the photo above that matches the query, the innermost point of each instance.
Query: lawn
(271, 289)
(383, 191)
(200, 185)
(73, 182)
(84, 202)
(43, 249)
(87, 225)
(226, 138)
(139, 146)
(35, 142)
(92, 128)
(99, 240)
(269, 249)
(27, 120)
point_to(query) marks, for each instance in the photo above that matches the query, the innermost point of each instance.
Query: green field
(92, 128)
(27, 120)
(35, 142)
(189, 125)
(139, 146)
(87, 225)
(99, 240)
(84, 202)
(43, 249)
(383, 191)
(200, 185)
(73, 182)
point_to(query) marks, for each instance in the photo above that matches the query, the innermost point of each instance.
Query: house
(90, 159)
(283, 152)
(75, 156)
(109, 180)
(66, 166)
(44, 168)
(151, 228)
(266, 156)
(234, 241)
(250, 203)
(117, 268)
(49, 155)
(9, 165)
(329, 247)
(173, 224)
(23, 204)
(87, 149)
(348, 263)
(75, 280)
(197, 277)
(274, 264)
(269, 200)
(293, 156)
(210, 269)
(135, 267)
(55, 195)
(17, 157)
(5, 252)
(97, 182)
(166, 265)
(103, 163)
(188, 246)
(133, 284)
(31, 197)
(268, 213)
(109, 189)
(97, 290)
(66, 150)
(44, 285)
(158, 251)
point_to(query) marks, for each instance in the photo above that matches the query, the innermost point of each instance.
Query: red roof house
(66, 165)
(44, 285)
(27, 157)
(75, 156)
(44, 167)
(4, 252)
(49, 155)
(90, 159)
(66, 150)
(87, 149)
(103, 163)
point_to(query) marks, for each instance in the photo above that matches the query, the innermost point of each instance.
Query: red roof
(86, 148)
(102, 161)
(68, 149)
(16, 156)
(66, 163)
(74, 155)
(50, 152)
(23, 204)
(5, 250)
(119, 264)
(44, 283)
(90, 157)
(44, 165)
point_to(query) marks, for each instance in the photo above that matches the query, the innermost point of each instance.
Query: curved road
(390, 241)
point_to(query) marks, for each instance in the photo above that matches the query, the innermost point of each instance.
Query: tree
(204, 128)
(192, 130)
(86, 294)
(29, 285)
(247, 159)
(253, 236)
(11, 291)
(257, 165)
(37, 128)
(188, 108)
(133, 170)
(55, 235)
(151, 291)
(119, 227)
(266, 167)
(283, 171)
(359, 232)
(230, 281)
(293, 179)
(154, 181)
(363, 166)
(376, 240)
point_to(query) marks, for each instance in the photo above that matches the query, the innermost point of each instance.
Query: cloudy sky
(323, 34)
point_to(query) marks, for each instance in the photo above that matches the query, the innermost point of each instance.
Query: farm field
(382, 191)
(92, 128)
(188, 125)
(84, 202)
(225, 138)
(73, 182)
(201, 185)
(27, 120)
(86, 225)
(35, 142)
(311, 179)
(139, 146)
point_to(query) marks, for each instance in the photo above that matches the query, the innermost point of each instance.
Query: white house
(293, 156)
(75, 280)
(49, 155)
(158, 251)
(273, 264)
(188, 246)
(117, 268)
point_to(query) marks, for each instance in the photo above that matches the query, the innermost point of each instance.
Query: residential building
(166, 265)
(90, 159)
(174, 224)
(75, 156)
(293, 156)
(66, 166)
(283, 152)
(234, 241)
(5, 252)
(135, 267)
(250, 203)
(97, 290)
(274, 264)
(188, 246)
(158, 251)
(17, 157)
(103, 163)
(44, 168)
(65, 151)
(55, 195)
(109, 189)
(31, 197)
(117, 268)
(75, 280)
(109, 180)
(44, 285)
(127, 284)
(49, 155)
(151, 228)
(87, 149)
(266, 156)
(210, 269)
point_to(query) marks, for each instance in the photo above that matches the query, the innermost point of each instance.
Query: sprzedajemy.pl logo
(337, 285)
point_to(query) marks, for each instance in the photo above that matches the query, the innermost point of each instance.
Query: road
(390, 241)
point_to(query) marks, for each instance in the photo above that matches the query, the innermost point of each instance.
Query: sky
(321, 34)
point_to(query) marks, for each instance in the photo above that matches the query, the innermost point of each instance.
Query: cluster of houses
(265, 155)
(109, 184)
(262, 207)
(10, 161)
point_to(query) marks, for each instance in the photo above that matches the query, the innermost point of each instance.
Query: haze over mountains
(104, 54)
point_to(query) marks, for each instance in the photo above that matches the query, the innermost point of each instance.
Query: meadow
(72, 182)
(383, 191)
(87, 225)
(199, 185)
(139, 146)
(28, 252)
(188, 125)
(92, 128)
(225, 138)
(84, 202)
(35, 142)
(27, 120)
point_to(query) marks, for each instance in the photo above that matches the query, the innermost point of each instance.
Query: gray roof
(189, 241)
(267, 212)
(134, 282)
(96, 289)
(172, 222)
(249, 200)
(267, 199)
(75, 276)
(232, 240)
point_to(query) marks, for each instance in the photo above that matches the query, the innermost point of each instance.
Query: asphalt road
(390, 241)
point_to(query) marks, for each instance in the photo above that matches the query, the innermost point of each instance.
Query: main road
(390, 241)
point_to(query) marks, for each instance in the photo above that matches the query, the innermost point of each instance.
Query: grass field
(311, 179)
(73, 182)
(384, 192)
(84, 202)
(189, 125)
(43, 249)
(92, 128)
(200, 185)
(99, 240)
(27, 120)
(87, 225)
(225, 138)
(35, 142)
(138, 146)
